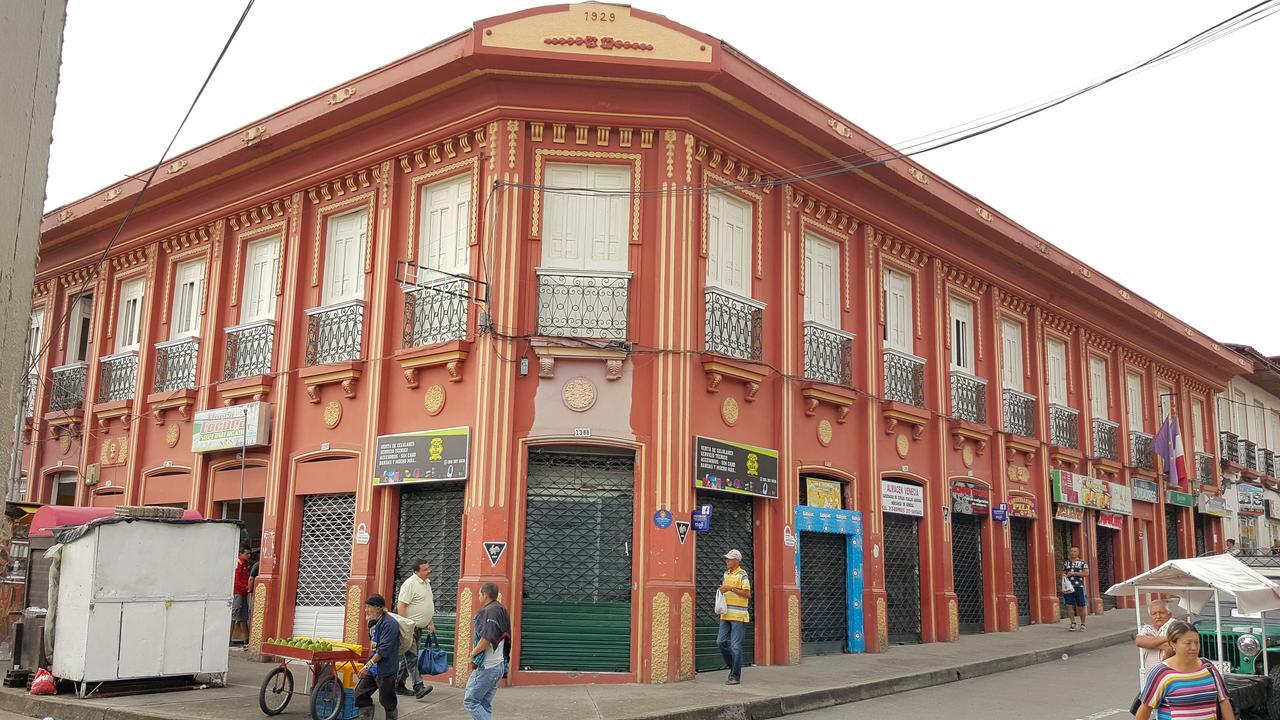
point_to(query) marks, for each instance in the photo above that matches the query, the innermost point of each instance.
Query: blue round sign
(662, 518)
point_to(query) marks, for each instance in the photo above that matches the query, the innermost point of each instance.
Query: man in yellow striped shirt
(736, 588)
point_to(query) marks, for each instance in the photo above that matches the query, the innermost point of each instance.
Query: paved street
(1092, 686)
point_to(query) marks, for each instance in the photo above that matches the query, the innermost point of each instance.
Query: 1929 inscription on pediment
(595, 29)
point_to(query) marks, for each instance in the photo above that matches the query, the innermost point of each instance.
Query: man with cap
(736, 588)
(379, 673)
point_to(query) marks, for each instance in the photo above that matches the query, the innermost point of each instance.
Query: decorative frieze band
(267, 212)
(1059, 323)
(329, 189)
(188, 239)
(964, 278)
(1099, 342)
(734, 169)
(897, 248)
(128, 259)
(1137, 359)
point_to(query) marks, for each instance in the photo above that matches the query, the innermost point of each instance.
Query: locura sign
(231, 428)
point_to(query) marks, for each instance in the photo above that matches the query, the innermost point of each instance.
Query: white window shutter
(898, 330)
(1197, 425)
(445, 234)
(185, 311)
(822, 287)
(259, 293)
(729, 223)
(1098, 387)
(344, 260)
(1133, 393)
(1057, 352)
(1011, 335)
(128, 329)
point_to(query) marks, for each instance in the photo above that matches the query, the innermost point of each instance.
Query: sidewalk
(765, 692)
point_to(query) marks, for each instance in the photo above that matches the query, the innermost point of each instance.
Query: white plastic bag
(1067, 587)
(722, 606)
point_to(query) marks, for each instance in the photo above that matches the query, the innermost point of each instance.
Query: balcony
(584, 304)
(735, 325)
(968, 397)
(119, 377)
(1140, 454)
(1019, 413)
(1229, 447)
(1204, 467)
(436, 312)
(1267, 463)
(176, 365)
(29, 394)
(335, 333)
(1064, 427)
(1105, 444)
(1249, 454)
(249, 349)
(828, 355)
(903, 377)
(68, 387)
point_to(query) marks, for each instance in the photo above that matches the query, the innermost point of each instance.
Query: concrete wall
(30, 53)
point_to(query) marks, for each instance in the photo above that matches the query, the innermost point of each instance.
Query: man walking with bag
(735, 589)
(379, 673)
(416, 602)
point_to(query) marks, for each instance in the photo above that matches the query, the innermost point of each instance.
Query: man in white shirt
(1151, 638)
(416, 602)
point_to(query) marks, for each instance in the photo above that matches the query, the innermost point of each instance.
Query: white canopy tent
(1195, 581)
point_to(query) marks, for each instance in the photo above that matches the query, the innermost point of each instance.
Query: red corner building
(523, 303)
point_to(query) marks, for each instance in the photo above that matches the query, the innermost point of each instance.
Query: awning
(1193, 581)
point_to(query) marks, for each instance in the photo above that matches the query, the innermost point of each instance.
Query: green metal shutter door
(431, 530)
(731, 527)
(576, 614)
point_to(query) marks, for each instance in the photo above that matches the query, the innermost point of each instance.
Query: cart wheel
(326, 699)
(277, 690)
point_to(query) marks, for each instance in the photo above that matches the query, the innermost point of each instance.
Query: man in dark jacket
(379, 673)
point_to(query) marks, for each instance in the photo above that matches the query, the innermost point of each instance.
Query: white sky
(1161, 180)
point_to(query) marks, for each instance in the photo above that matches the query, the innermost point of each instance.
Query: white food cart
(142, 598)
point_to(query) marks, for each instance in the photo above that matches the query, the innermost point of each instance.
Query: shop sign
(824, 520)
(1110, 520)
(1023, 506)
(1084, 491)
(1069, 513)
(901, 498)
(969, 499)
(823, 493)
(232, 427)
(1273, 509)
(735, 468)
(1174, 497)
(1249, 500)
(426, 456)
(1146, 491)
(1215, 505)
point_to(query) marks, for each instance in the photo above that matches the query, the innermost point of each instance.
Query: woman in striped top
(1184, 686)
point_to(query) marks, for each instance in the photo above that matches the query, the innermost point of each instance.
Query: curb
(66, 708)
(764, 708)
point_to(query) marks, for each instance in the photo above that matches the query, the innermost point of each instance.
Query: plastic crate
(324, 706)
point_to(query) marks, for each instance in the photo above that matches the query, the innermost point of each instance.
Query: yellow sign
(824, 493)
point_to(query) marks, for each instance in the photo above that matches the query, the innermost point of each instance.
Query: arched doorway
(902, 506)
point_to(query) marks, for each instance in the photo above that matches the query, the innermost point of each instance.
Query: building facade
(1248, 433)
(528, 303)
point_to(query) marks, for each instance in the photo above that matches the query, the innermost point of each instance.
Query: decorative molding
(1137, 359)
(1059, 323)
(541, 154)
(840, 128)
(793, 629)
(129, 259)
(686, 636)
(188, 239)
(896, 248)
(659, 638)
(919, 176)
(339, 96)
(964, 278)
(176, 167)
(718, 370)
(267, 212)
(252, 135)
(451, 357)
(1169, 374)
(354, 614)
(1098, 342)
(1009, 301)
(984, 213)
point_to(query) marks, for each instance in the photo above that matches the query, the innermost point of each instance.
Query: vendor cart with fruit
(329, 672)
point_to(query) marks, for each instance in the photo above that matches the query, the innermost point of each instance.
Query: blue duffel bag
(431, 659)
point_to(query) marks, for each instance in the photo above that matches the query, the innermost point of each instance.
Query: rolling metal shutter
(966, 571)
(324, 564)
(732, 520)
(824, 611)
(902, 577)
(576, 614)
(431, 530)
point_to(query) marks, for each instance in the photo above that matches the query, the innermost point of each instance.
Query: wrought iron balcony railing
(68, 386)
(1019, 413)
(436, 312)
(1105, 442)
(248, 350)
(176, 365)
(1229, 447)
(1267, 463)
(335, 333)
(1140, 454)
(1064, 426)
(583, 304)
(119, 377)
(1204, 467)
(968, 397)
(1249, 454)
(29, 394)
(828, 354)
(735, 325)
(903, 377)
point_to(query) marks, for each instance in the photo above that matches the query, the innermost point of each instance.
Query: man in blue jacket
(379, 673)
